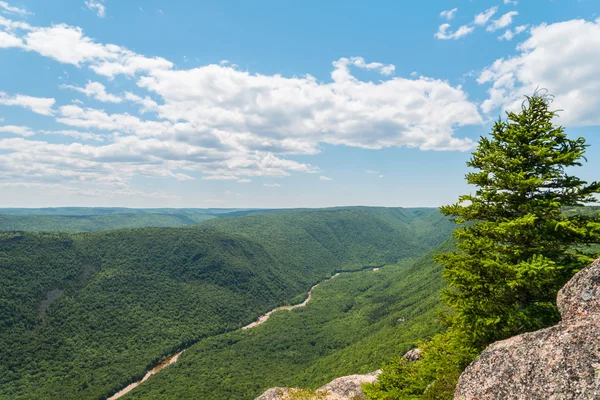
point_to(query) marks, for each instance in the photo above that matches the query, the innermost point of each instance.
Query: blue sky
(276, 103)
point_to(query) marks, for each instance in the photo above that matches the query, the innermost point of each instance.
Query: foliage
(82, 315)
(517, 247)
(352, 324)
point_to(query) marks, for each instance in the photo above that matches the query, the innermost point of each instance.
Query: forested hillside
(100, 222)
(85, 314)
(353, 324)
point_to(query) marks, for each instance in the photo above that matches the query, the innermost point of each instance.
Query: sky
(272, 104)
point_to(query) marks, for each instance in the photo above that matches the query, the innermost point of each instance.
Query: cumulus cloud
(74, 134)
(68, 45)
(17, 130)
(96, 6)
(39, 105)
(562, 57)
(502, 22)
(510, 34)
(146, 103)
(95, 90)
(342, 71)
(449, 14)
(484, 17)
(8, 40)
(325, 178)
(217, 122)
(444, 34)
(8, 9)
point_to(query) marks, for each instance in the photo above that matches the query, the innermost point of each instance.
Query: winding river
(261, 320)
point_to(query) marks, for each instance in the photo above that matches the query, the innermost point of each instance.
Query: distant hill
(99, 222)
(83, 219)
(84, 314)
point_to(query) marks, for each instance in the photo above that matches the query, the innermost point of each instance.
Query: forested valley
(84, 314)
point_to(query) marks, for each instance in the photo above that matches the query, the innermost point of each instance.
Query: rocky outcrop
(558, 363)
(348, 387)
(276, 393)
(344, 388)
(413, 355)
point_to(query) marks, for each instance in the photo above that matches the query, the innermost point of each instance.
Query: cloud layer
(215, 121)
(219, 122)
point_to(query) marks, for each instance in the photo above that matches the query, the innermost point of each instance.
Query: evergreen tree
(523, 235)
(518, 247)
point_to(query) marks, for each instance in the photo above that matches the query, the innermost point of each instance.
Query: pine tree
(517, 245)
(523, 235)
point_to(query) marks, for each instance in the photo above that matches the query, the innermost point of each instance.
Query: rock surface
(344, 388)
(348, 387)
(413, 355)
(558, 363)
(580, 297)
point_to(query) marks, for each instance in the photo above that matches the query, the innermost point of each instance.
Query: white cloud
(511, 2)
(484, 17)
(17, 130)
(292, 115)
(12, 26)
(502, 22)
(273, 185)
(68, 45)
(325, 178)
(74, 134)
(26, 131)
(8, 40)
(509, 35)
(449, 14)
(147, 103)
(443, 33)
(564, 59)
(39, 105)
(380, 176)
(96, 6)
(8, 9)
(217, 122)
(95, 90)
(342, 71)
(370, 171)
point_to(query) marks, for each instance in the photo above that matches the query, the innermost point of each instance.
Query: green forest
(84, 314)
(86, 309)
(353, 324)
